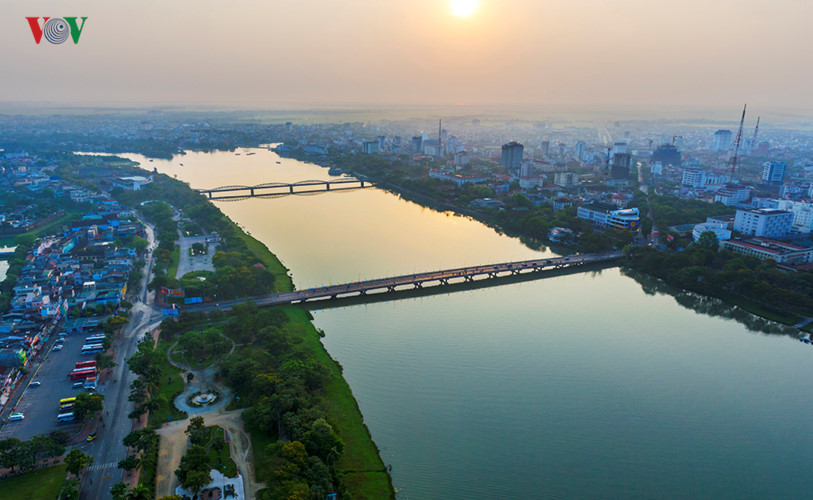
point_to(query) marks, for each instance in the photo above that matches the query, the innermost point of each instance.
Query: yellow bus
(63, 402)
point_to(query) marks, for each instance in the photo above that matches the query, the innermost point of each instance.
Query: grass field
(172, 270)
(360, 462)
(35, 485)
(228, 467)
(171, 385)
(282, 281)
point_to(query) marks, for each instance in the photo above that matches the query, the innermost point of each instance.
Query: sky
(414, 52)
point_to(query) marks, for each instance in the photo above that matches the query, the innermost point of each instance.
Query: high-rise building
(773, 171)
(417, 144)
(620, 166)
(667, 154)
(722, 141)
(512, 156)
(545, 147)
(764, 222)
(580, 150)
(619, 148)
(370, 147)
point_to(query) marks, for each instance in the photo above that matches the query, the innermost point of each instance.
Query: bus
(83, 373)
(66, 408)
(94, 339)
(92, 348)
(64, 417)
(63, 402)
(85, 364)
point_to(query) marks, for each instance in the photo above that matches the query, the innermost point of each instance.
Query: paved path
(189, 264)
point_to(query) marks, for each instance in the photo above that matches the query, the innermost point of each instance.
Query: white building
(763, 222)
(722, 141)
(733, 194)
(773, 171)
(133, 183)
(566, 179)
(802, 214)
(720, 231)
(606, 215)
(764, 248)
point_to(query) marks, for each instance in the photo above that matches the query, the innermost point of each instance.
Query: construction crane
(754, 140)
(737, 143)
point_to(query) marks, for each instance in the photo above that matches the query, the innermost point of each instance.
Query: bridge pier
(468, 278)
(362, 293)
(418, 284)
(252, 191)
(444, 281)
(291, 189)
(210, 195)
(390, 288)
(492, 275)
(362, 183)
(327, 186)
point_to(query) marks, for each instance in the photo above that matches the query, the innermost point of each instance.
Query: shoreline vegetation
(757, 287)
(308, 433)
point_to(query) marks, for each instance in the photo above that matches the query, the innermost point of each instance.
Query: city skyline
(422, 52)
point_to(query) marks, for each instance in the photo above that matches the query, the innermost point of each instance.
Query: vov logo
(56, 29)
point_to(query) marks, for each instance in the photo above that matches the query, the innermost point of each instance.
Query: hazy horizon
(584, 53)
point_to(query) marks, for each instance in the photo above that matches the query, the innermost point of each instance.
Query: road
(108, 449)
(417, 280)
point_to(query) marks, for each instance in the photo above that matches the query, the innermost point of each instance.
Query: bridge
(276, 189)
(416, 281)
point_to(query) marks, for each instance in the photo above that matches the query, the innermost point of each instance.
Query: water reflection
(710, 306)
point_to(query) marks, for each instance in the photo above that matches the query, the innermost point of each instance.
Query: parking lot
(40, 404)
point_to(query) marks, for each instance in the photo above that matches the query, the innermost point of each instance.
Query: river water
(584, 385)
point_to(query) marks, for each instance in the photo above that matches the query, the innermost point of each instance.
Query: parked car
(16, 416)
(57, 347)
(35, 384)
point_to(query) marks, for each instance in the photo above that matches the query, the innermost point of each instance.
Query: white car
(57, 347)
(35, 384)
(16, 416)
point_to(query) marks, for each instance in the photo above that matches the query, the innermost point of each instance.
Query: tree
(193, 471)
(196, 430)
(9, 452)
(129, 463)
(77, 460)
(118, 491)
(87, 404)
(140, 492)
(59, 437)
(70, 490)
(321, 439)
(140, 439)
(104, 361)
(196, 480)
(708, 240)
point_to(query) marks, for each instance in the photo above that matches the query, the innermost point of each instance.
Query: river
(584, 385)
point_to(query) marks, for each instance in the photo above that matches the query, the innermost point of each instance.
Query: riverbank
(360, 470)
(529, 229)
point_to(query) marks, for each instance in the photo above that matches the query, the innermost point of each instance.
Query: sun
(463, 8)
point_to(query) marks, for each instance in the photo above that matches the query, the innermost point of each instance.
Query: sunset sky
(266, 52)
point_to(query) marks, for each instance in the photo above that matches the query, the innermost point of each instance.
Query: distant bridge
(277, 189)
(388, 285)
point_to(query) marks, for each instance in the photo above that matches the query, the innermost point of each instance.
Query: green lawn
(360, 453)
(168, 389)
(35, 485)
(172, 270)
(259, 443)
(228, 467)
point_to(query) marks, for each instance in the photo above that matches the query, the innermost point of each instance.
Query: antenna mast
(737, 147)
